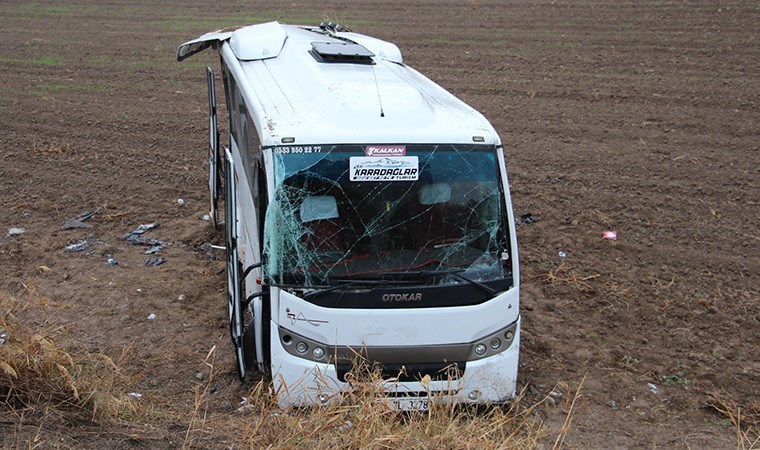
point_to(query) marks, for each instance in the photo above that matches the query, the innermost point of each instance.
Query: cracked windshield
(430, 214)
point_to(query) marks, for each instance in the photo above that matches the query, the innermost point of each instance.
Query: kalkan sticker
(385, 150)
(399, 168)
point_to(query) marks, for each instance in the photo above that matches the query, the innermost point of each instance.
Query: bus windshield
(342, 213)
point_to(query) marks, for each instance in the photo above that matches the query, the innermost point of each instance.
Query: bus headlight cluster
(494, 343)
(304, 347)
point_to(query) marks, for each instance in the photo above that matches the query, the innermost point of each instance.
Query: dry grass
(361, 419)
(36, 373)
(745, 419)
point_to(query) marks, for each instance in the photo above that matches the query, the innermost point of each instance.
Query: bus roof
(316, 85)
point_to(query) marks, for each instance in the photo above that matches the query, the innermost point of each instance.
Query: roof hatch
(341, 52)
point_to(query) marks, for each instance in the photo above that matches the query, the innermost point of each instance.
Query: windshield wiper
(345, 284)
(457, 273)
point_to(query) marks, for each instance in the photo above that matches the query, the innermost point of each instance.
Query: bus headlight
(302, 347)
(480, 349)
(318, 352)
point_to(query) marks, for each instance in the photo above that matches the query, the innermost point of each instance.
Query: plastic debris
(151, 316)
(79, 246)
(206, 217)
(3, 338)
(181, 202)
(112, 262)
(26, 216)
(612, 404)
(182, 297)
(653, 388)
(562, 254)
(16, 231)
(526, 219)
(611, 235)
(154, 261)
(135, 395)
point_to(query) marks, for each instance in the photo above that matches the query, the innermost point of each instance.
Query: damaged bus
(367, 216)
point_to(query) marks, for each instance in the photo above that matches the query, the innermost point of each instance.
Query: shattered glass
(322, 229)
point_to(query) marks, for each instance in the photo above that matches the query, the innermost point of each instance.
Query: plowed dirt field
(638, 117)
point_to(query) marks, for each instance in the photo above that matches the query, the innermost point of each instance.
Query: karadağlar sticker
(397, 168)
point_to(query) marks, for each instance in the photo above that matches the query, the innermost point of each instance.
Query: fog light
(495, 343)
(318, 352)
(324, 398)
(287, 340)
(480, 349)
(302, 347)
(473, 395)
(509, 335)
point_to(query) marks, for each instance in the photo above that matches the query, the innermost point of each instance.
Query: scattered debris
(151, 316)
(16, 231)
(79, 246)
(200, 376)
(112, 262)
(206, 217)
(182, 298)
(653, 388)
(347, 425)
(26, 216)
(136, 237)
(142, 228)
(154, 261)
(70, 224)
(562, 254)
(612, 404)
(135, 395)
(78, 222)
(181, 202)
(3, 338)
(153, 249)
(611, 235)
(526, 219)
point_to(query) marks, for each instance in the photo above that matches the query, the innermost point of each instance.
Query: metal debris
(78, 221)
(526, 219)
(154, 261)
(79, 246)
(154, 249)
(151, 316)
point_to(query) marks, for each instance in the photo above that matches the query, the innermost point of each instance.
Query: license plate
(409, 404)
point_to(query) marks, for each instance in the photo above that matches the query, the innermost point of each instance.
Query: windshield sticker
(385, 150)
(399, 168)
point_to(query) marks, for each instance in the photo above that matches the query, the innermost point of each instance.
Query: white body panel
(300, 382)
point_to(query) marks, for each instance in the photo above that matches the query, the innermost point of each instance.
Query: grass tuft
(38, 374)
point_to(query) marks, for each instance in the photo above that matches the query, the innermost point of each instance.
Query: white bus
(366, 211)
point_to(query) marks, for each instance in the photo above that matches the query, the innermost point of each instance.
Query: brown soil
(639, 117)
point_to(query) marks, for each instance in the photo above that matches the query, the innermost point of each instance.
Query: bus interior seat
(321, 229)
(432, 226)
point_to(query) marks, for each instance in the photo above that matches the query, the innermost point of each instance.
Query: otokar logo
(398, 168)
(408, 297)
